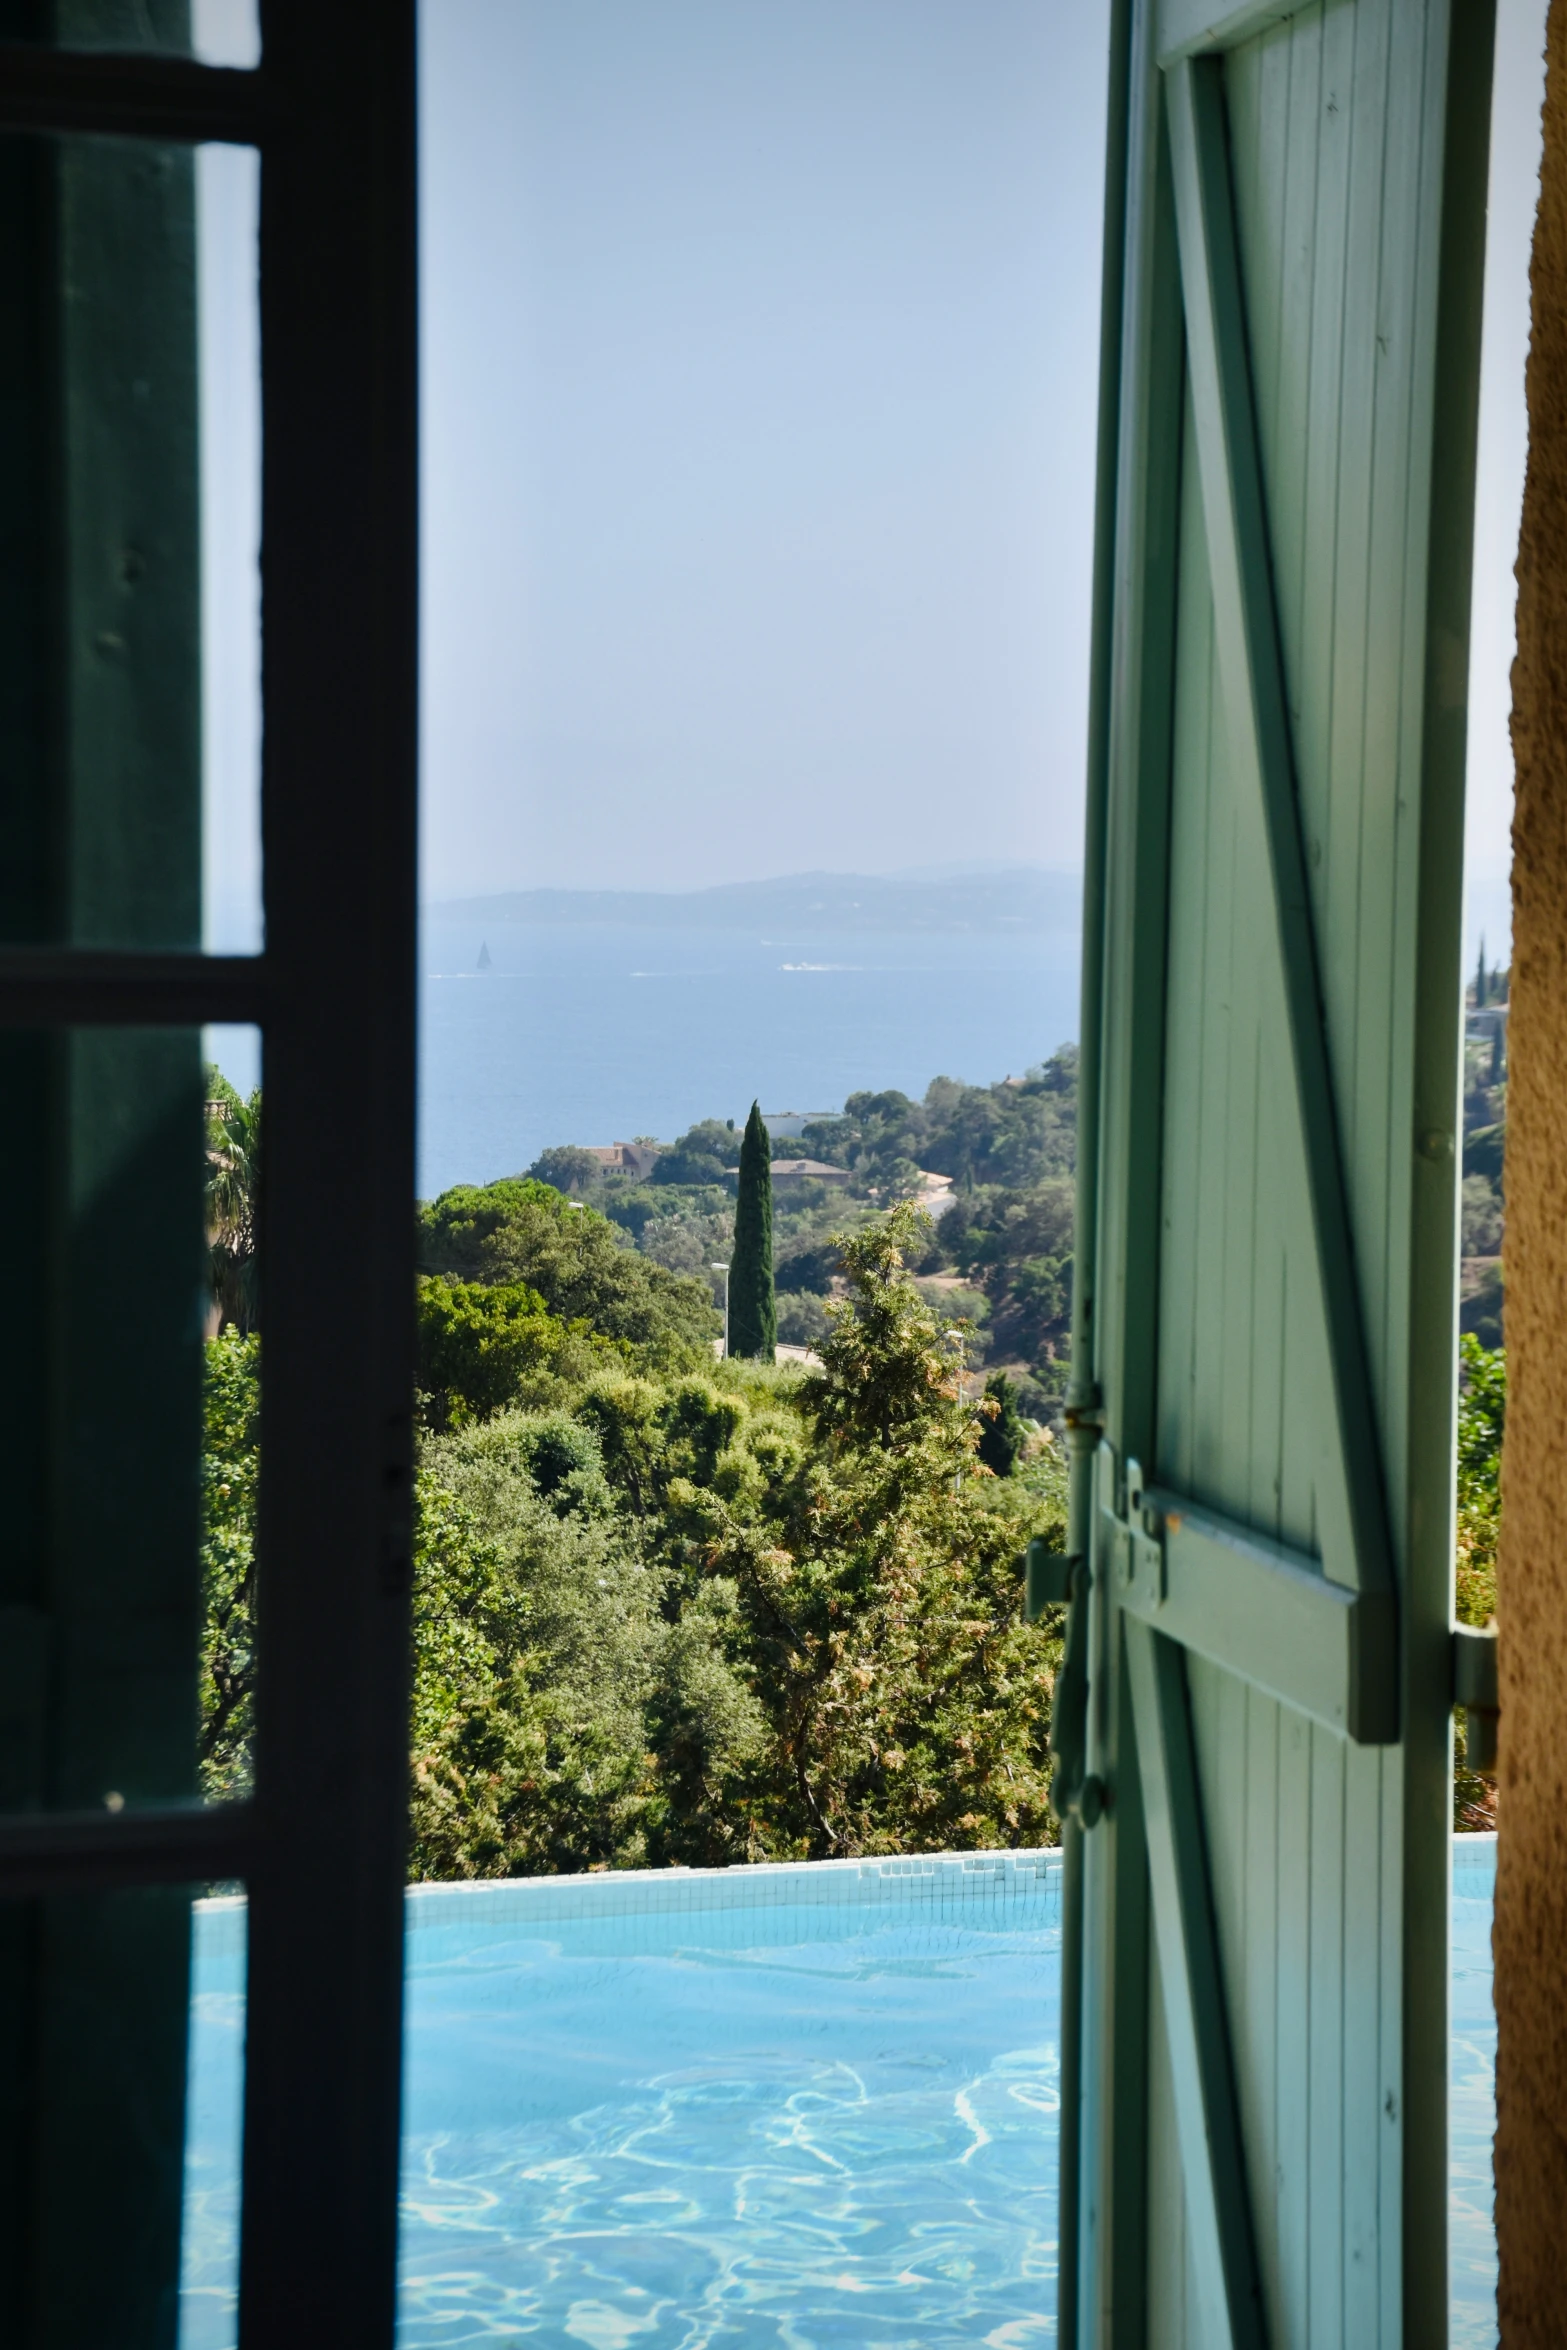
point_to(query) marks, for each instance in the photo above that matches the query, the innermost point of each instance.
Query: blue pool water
(807, 2108)
(1472, 2099)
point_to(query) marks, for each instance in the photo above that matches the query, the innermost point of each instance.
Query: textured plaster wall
(1531, 1887)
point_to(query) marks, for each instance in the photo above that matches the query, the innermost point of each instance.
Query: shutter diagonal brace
(1218, 2202)
(1356, 1549)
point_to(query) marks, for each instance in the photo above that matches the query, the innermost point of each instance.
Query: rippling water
(787, 2120)
(810, 2109)
(1472, 2099)
(750, 2135)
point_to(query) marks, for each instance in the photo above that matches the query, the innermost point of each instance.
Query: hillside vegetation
(674, 1609)
(669, 1609)
(997, 1262)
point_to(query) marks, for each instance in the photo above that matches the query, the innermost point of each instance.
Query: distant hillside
(1017, 897)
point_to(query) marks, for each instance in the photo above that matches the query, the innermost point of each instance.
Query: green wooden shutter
(1265, 1415)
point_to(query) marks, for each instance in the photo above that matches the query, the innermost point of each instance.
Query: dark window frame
(321, 1845)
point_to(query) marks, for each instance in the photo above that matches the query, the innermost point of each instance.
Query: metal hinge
(1129, 1544)
(1133, 1535)
(1476, 1689)
(1054, 1578)
(1047, 1579)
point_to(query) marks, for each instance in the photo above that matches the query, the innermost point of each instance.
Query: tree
(229, 1462)
(1482, 1423)
(753, 1318)
(1002, 1434)
(536, 1646)
(908, 1706)
(704, 1154)
(1480, 1217)
(484, 1346)
(233, 1191)
(579, 1263)
(1018, 1244)
(567, 1168)
(700, 1616)
(833, 1550)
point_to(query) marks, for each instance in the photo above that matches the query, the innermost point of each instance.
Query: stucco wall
(1531, 1888)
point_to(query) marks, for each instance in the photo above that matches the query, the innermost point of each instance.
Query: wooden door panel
(1241, 1350)
(1324, 126)
(1337, 235)
(1297, 1892)
(1276, 1188)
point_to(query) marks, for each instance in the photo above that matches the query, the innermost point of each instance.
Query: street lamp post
(724, 1269)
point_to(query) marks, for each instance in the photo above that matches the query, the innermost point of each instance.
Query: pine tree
(1481, 997)
(753, 1319)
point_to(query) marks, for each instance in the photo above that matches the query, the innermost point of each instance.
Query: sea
(595, 1032)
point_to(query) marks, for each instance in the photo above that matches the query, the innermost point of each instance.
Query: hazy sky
(1504, 435)
(760, 344)
(761, 341)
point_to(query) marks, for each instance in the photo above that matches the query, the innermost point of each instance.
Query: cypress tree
(1002, 1436)
(753, 1319)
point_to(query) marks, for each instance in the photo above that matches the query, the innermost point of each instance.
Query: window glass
(214, 32)
(129, 1372)
(129, 531)
(214, 2122)
(228, 355)
(121, 2080)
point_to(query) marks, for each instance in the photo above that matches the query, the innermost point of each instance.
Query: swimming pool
(1472, 2099)
(784, 2106)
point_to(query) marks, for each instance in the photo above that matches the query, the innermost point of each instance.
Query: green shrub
(482, 1348)
(229, 1466)
(519, 1232)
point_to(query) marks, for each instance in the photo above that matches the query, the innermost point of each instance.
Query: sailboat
(484, 955)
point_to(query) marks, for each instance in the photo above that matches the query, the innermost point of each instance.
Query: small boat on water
(484, 955)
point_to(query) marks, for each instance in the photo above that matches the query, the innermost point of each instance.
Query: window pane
(127, 1577)
(228, 345)
(214, 2123)
(759, 391)
(129, 526)
(95, 2042)
(231, 1410)
(214, 32)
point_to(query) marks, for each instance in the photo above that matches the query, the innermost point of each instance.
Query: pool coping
(934, 1878)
